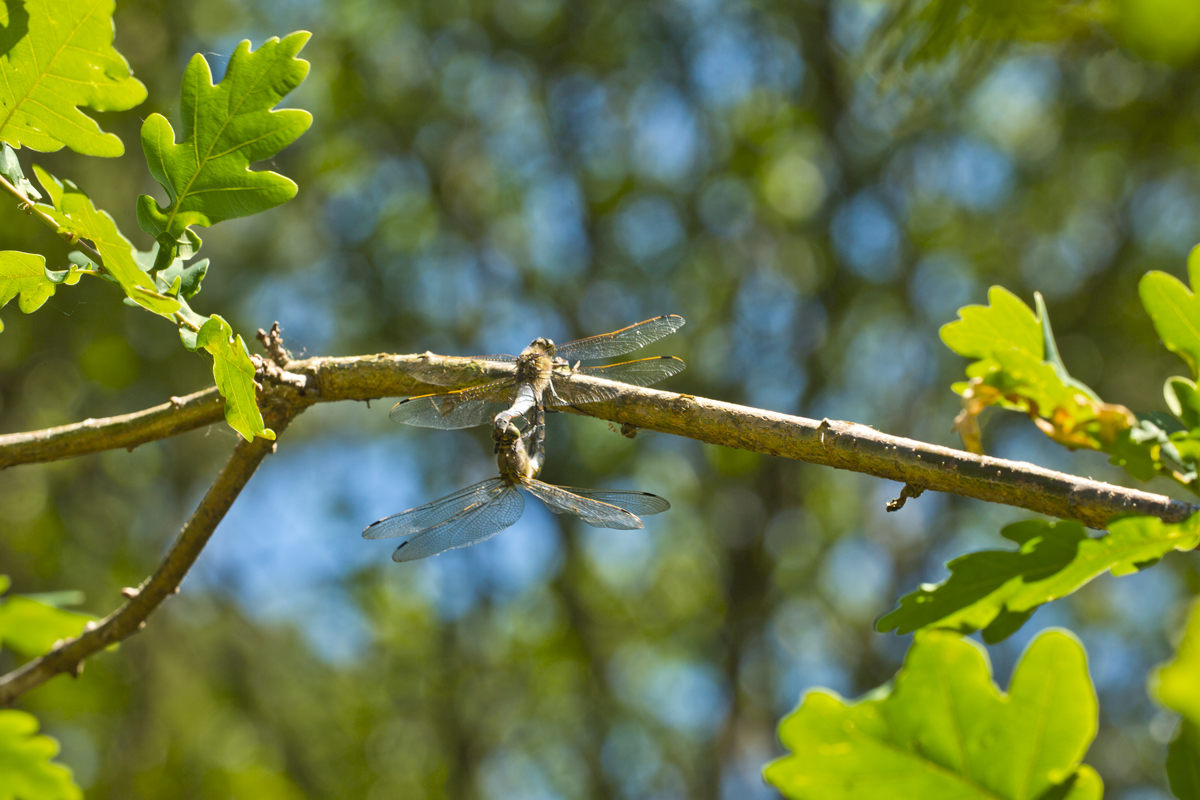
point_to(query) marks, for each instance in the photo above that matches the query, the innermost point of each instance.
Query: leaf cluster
(60, 61)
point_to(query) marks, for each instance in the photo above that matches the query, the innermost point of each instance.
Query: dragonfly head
(540, 346)
(506, 435)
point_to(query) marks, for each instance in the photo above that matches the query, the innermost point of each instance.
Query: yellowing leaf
(946, 731)
(997, 590)
(74, 212)
(26, 769)
(63, 61)
(225, 128)
(234, 374)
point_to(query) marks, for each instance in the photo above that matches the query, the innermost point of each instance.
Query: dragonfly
(540, 376)
(479, 512)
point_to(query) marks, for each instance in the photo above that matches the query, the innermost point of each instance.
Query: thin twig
(69, 654)
(844, 445)
(30, 208)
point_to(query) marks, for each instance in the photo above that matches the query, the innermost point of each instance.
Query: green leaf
(189, 277)
(1177, 684)
(74, 212)
(234, 373)
(30, 628)
(26, 769)
(226, 128)
(946, 731)
(1051, 348)
(1183, 400)
(64, 61)
(1006, 322)
(997, 590)
(10, 168)
(1183, 762)
(24, 274)
(1175, 310)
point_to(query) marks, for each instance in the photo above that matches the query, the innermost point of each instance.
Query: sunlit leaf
(1175, 310)
(234, 374)
(997, 590)
(74, 212)
(946, 731)
(61, 59)
(1004, 323)
(26, 769)
(225, 129)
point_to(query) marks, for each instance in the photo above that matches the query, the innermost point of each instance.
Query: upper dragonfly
(541, 375)
(481, 511)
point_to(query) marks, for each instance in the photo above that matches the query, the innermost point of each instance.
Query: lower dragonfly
(479, 512)
(541, 375)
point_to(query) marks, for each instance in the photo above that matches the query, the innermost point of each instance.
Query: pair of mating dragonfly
(541, 376)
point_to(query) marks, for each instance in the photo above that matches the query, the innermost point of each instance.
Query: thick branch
(68, 655)
(843, 445)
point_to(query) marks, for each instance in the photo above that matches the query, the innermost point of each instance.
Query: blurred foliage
(1177, 686)
(945, 730)
(481, 172)
(30, 627)
(26, 769)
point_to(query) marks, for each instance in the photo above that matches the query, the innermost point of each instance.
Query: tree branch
(68, 654)
(843, 445)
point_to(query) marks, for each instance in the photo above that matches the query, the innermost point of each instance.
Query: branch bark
(68, 655)
(843, 445)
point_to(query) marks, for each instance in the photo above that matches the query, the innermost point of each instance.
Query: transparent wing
(454, 410)
(483, 521)
(443, 375)
(643, 372)
(618, 343)
(433, 514)
(642, 503)
(596, 513)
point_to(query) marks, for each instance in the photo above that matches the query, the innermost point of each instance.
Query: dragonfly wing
(501, 509)
(454, 410)
(641, 503)
(430, 515)
(618, 343)
(596, 513)
(442, 375)
(643, 372)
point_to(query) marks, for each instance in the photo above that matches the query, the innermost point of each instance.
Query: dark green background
(481, 173)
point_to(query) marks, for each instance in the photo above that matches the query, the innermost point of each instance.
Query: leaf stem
(31, 208)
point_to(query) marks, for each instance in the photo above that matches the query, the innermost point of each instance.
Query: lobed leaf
(25, 277)
(945, 731)
(1005, 323)
(26, 769)
(997, 590)
(58, 57)
(226, 128)
(75, 213)
(234, 374)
